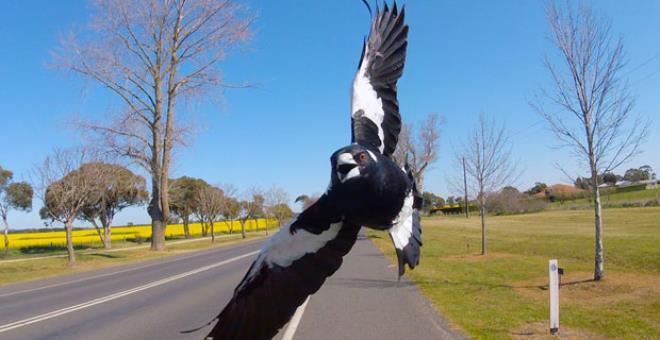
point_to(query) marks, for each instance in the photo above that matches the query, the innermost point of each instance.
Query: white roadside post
(554, 296)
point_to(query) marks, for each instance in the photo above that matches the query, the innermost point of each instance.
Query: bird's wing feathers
(292, 265)
(375, 118)
(406, 233)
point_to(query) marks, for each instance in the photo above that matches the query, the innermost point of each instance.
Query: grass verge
(504, 294)
(14, 272)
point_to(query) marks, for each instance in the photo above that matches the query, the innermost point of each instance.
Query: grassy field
(639, 197)
(34, 242)
(13, 272)
(504, 294)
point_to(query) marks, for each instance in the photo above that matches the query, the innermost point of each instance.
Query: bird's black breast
(376, 200)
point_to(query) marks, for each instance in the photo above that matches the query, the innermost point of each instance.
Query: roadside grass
(504, 294)
(14, 272)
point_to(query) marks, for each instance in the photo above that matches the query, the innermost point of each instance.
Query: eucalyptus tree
(65, 188)
(117, 188)
(184, 194)
(210, 207)
(13, 196)
(251, 207)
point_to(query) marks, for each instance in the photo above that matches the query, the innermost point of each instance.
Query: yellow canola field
(122, 233)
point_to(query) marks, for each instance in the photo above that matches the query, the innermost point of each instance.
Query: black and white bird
(367, 188)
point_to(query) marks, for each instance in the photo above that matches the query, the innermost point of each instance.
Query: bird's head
(352, 162)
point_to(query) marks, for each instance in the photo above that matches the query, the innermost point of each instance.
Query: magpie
(367, 188)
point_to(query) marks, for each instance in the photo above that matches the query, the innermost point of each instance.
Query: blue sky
(464, 57)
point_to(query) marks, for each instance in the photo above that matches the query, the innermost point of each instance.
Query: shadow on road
(368, 283)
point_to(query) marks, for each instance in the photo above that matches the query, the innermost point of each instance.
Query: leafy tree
(431, 200)
(648, 170)
(537, 188)
(117, 188)
(66, 188)
(640, 174)
(231, 211)
(281, 212)
(610, 178)
(251, 207)
(210, 202)
(276, 205)
(231, 208)
(586, 183)
(184, 198)
(16, 196)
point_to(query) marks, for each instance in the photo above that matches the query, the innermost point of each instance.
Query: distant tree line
(77, 185)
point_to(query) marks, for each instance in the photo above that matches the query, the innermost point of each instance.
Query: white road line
(295, 321)
(50, 315)
(102, 251)
(99, 276)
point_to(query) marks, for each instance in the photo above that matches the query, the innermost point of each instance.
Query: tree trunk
(68, 227)
(6, 234)
(484, 241)
(599, 261)
(157, 220)
(107, 236)
(157, 235)
(212, 232)
(186, 231)
(243, 228)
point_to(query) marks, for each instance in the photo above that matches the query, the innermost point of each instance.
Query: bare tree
(65, 188)
(589, 109)
(276, 205)
(251, 207)
(13, 196)
(487, 154)
(153, 55)
(420, 151)
(210, 207)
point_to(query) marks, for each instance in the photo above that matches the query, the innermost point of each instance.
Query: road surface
(159, 299)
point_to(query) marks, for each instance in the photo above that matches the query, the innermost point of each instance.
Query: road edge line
(295, 321)
(66, 310)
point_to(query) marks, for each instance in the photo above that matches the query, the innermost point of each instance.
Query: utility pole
(465, 200)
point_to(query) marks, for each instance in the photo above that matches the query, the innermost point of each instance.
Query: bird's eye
(363, 157)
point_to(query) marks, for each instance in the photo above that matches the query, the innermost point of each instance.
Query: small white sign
(553, 270)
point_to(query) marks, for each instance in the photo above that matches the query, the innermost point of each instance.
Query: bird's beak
(346, 167)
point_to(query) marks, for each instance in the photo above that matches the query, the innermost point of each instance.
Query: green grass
(14, 272)
(614, 199)
(502, 295)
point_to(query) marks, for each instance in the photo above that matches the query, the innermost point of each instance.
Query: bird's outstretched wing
(406, 233)
(375, 117)
(293, 264)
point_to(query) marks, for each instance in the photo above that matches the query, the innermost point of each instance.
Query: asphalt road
(158, 299)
